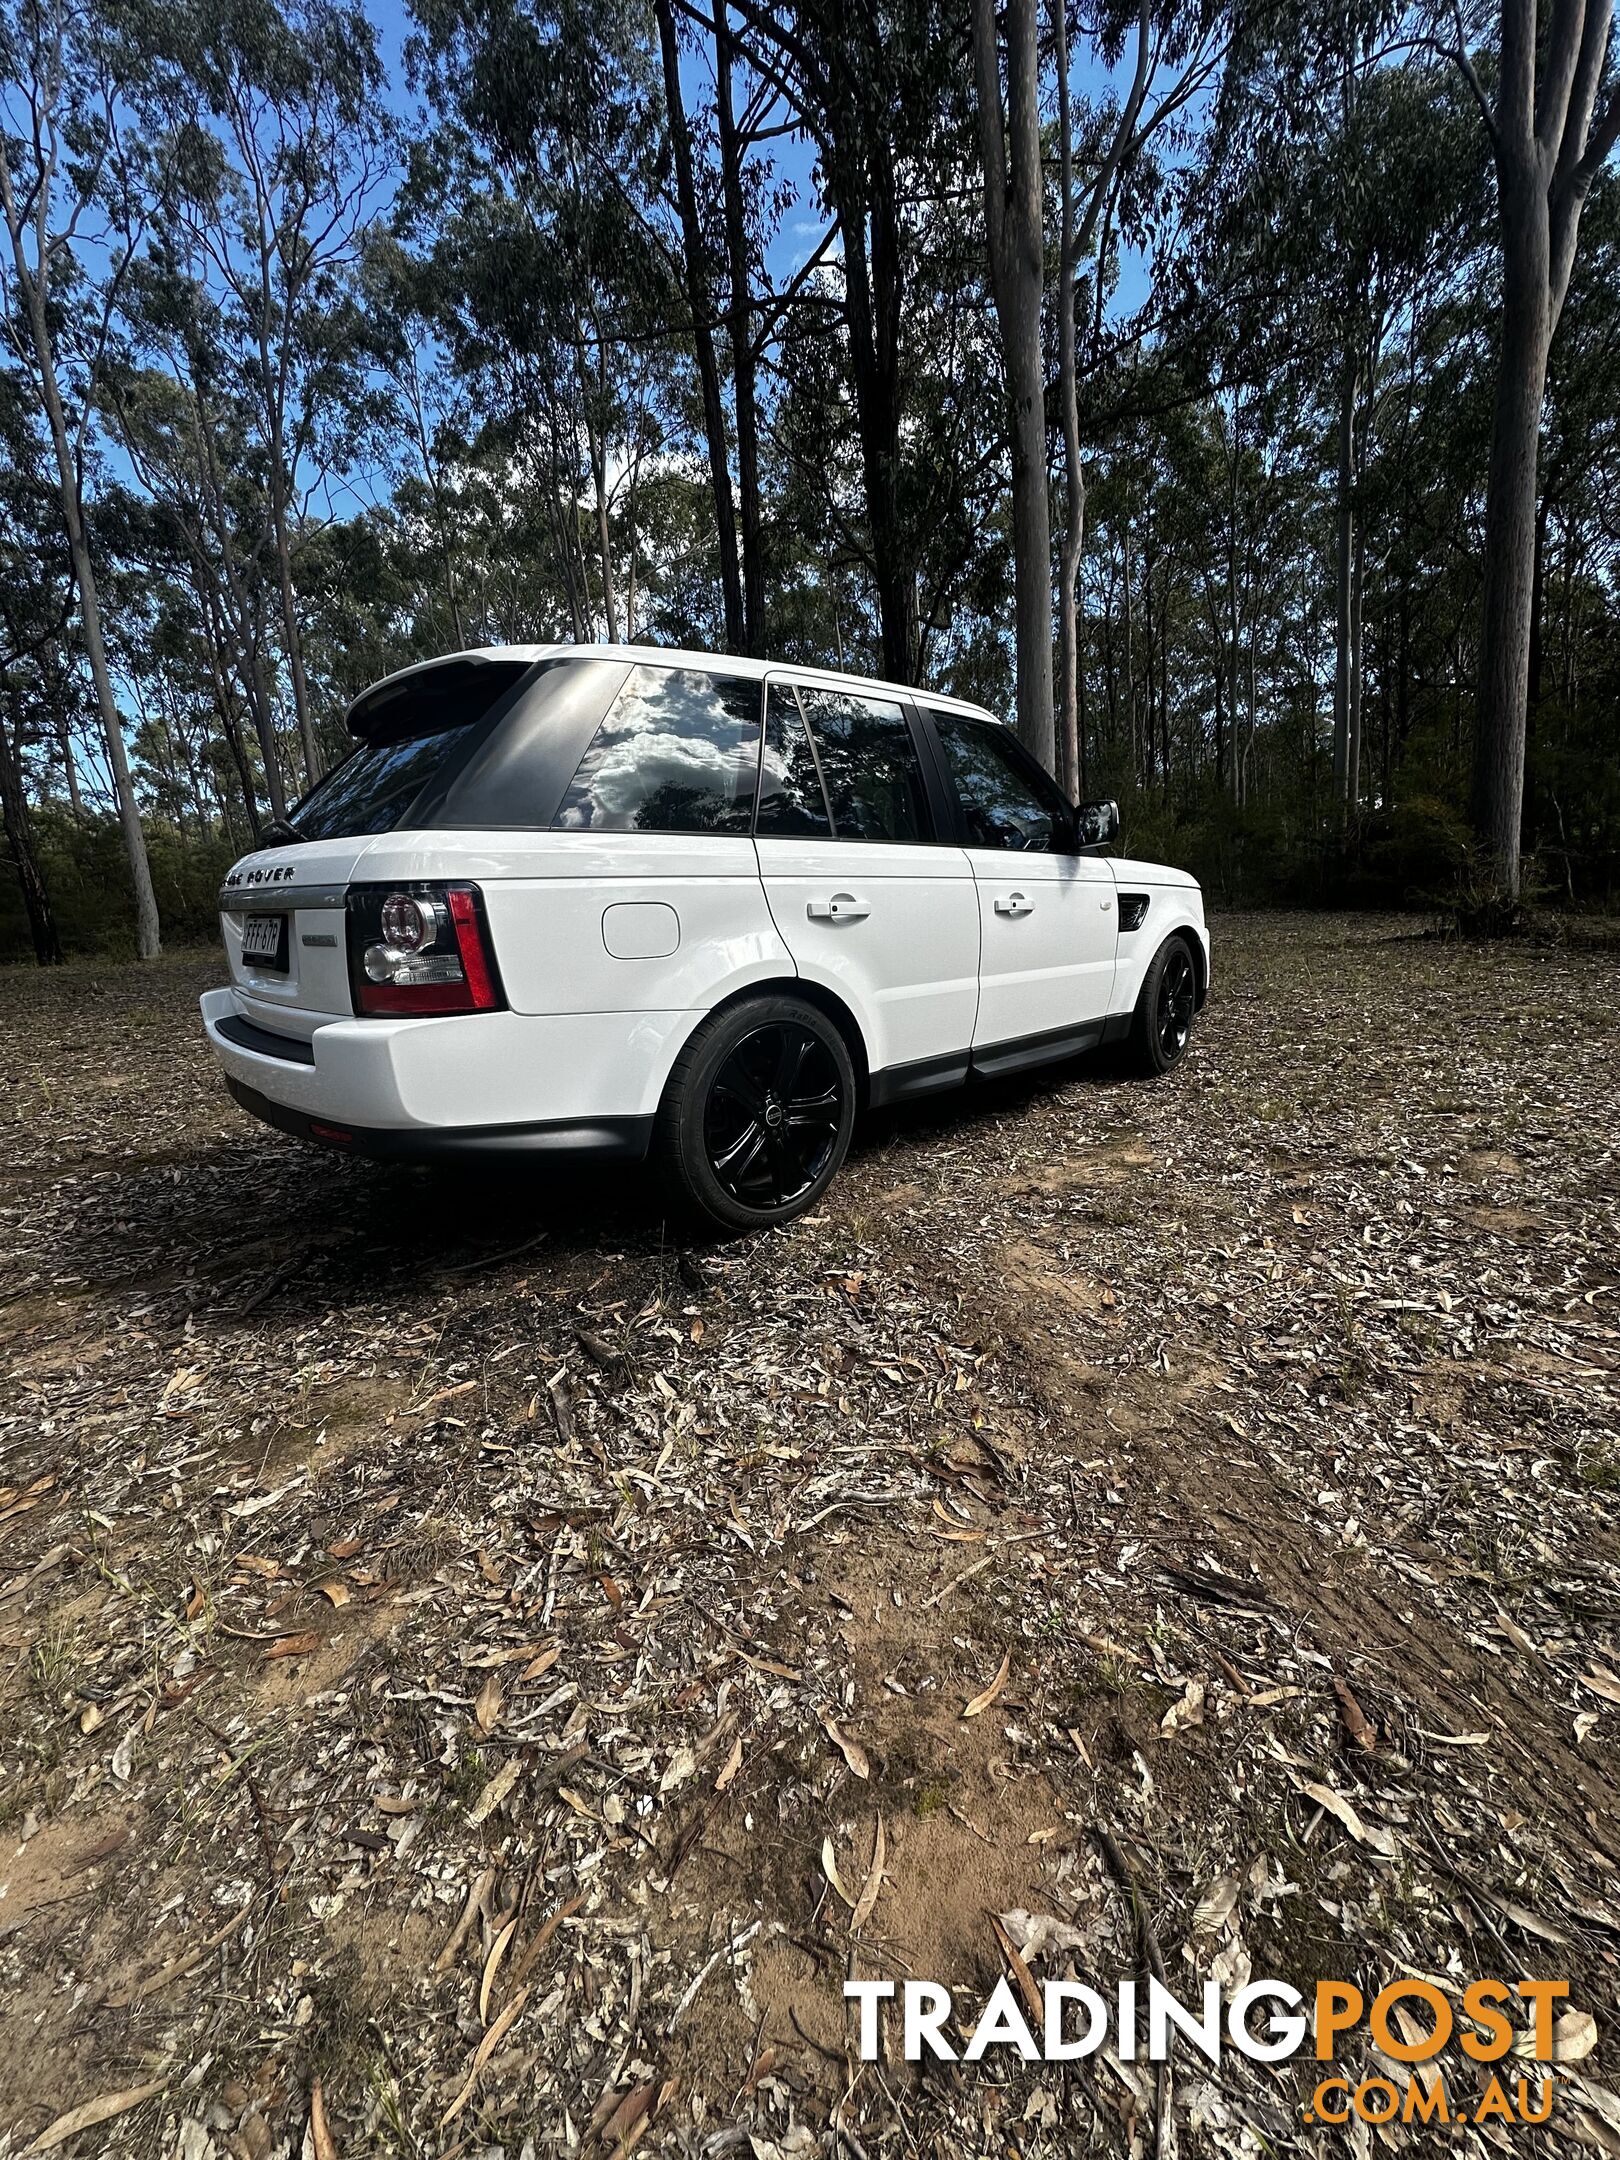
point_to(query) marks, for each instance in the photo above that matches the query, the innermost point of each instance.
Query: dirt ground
(478, 1672)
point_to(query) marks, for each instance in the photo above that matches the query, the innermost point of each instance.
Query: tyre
(757, 1114)
(1163, 1021)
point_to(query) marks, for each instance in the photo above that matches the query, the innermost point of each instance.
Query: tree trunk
(19, 827)
(70, 771)
(1510, 546)
(1358, 584)
(741, 324)
(31, 284)
(700, 305)
(1548, 152)
(1344, 568)
(1070, 746)
(873, 295)
(1017, 261)
(289, 617)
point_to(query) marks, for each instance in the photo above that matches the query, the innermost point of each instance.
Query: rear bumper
(581, 1140)
(455, 1085)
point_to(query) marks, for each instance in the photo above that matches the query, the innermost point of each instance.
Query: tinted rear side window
(869, 766)
(372, 791)
(677, 752)
(790, 795)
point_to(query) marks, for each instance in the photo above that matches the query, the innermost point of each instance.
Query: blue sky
(792, 157)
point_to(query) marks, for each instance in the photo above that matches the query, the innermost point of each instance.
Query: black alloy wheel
(758, 1113)
(1163, 1023)
(773, 1116)
(1173, 1011)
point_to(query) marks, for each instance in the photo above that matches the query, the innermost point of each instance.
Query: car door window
(1005, 803)
(869, 766)
(677, 752)
(792, 802)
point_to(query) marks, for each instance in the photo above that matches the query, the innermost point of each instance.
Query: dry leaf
(320, 2135)
(335, 1591)
(1602, 1682)
(91, 2112)
(851, 1750)
(829, 1867)
(1019, 1970)
(874, 1880)
(487, 1706)
(492, 1965)
(1574, 2037)
(1344, 1812)
(1216, 1906)
(1188, 1712)
(983, 1702)
(299, 1645)
(1528, 1922)
(486, 2048)
(731, 1765)
(495, 1791)
(469, 1912)
(1356, 1721)
(678, 1769)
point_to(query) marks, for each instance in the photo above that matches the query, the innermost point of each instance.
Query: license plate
(264, 941)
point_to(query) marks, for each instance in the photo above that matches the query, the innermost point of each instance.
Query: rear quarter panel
(546, 894)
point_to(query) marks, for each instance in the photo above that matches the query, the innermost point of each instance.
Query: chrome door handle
(1014, 904)
(842, 907)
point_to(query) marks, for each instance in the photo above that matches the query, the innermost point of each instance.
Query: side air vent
(1133, 907)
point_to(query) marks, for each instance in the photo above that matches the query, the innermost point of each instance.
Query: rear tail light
(421, 948)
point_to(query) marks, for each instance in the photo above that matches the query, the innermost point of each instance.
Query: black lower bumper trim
(624, 1139)
(291, 1049)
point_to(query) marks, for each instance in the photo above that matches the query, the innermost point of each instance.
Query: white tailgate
(304, 885)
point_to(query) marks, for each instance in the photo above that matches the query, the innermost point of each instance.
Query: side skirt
(990, 1061)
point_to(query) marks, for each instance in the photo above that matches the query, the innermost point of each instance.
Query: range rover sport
(597, 901)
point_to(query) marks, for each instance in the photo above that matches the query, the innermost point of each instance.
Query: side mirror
(1098, 824)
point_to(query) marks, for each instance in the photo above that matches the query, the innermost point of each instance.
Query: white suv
(579, 900)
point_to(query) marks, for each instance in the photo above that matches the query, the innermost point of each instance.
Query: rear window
(413, 731)
(371, 791)
(677, 752)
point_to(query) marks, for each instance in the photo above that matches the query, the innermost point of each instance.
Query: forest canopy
(1230, 395)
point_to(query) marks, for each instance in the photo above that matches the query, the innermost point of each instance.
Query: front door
(1047, 919)
(864, 895)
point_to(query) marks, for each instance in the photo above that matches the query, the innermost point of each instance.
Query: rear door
(1047, 923)
(867, 895)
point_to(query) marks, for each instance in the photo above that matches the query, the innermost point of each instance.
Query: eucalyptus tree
(76, 193)
(1552, 122)
(531, 208)
(36, 604)
(700, 303)
(288, 153)
(1175, 53)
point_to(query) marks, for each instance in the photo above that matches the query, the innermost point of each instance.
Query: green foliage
(88, 873)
